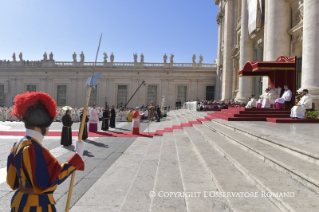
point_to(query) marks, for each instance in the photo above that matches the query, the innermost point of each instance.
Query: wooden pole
(79, 140)
(70, 193)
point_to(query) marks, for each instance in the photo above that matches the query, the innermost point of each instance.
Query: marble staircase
(189, 168)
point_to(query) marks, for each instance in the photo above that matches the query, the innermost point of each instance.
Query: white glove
(79, 148)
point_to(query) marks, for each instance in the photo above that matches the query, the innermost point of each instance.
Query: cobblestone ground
(100, 153)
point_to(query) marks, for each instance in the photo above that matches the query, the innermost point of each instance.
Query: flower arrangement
(312, 114)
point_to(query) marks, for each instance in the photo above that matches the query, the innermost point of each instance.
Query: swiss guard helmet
(36, 109)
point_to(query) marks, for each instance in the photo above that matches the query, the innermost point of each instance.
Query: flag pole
(92, 80)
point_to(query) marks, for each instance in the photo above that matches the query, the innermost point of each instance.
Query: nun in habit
(66, 137)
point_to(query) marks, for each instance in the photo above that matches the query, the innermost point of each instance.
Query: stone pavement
(212, 166)
(100, 153)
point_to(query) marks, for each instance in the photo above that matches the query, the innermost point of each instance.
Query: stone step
(196, 179)
(299, 169)
(175, 121)
(227, 178)
(168, 178)
(264, 175)
(138, 198)
(109, 192)
(308, 149)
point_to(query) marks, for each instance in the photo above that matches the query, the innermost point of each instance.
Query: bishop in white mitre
(252, 102)
(286, 97)
(93, 119)
(298, 111)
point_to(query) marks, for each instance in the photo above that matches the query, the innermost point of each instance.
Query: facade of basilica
(263, 30)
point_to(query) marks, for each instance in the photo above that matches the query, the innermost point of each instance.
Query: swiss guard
(31, 170)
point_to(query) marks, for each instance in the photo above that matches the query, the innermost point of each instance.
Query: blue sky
(151, 27)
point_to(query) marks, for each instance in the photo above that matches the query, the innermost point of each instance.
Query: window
(152, 94)
(61, 95)
(210, 93)
(2, 95)
(93, 96)
(121, 95)
(181, 93)
(31, 88)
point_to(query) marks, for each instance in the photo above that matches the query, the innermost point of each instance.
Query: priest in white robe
(93, 119)
(299, 111)
(273, 94)
(286, 97)
(252, 102)
(265, 98)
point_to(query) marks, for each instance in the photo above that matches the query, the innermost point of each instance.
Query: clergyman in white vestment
(286, 97)
(266, 97)
(252, 102)
(298, 111)
(93, 119)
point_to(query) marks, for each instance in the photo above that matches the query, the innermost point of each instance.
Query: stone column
(219, 20)
(111, 92)
(79, 90)
(72, 98)
(310, 49)
(277, 40)
(171, 94)
(245, 85)
(103, 92)
(228, 45)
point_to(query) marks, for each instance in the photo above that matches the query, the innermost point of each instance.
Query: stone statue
(74, 57)
(105, 57)
(45, 57)
(142, 58)
(51, 56)
(165, 58)
(201, 58)
(194, 58)
(20, 56)
(82, 57)
(14, 57)
(135, 57)
(172, 58)
(112, 57)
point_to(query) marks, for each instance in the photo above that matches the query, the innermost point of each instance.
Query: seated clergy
(286, 97)
(265, 98)
(252, 102)
(299, 110)
(273, 94)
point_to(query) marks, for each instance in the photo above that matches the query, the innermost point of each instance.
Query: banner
(254, 15)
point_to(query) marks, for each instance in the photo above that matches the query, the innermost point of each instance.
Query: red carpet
(290, 120)
(91, 134)
(253, 114)
(112, 133)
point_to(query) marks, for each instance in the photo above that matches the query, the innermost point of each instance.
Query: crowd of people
(108, 118)
(122, 114)
(206, 105)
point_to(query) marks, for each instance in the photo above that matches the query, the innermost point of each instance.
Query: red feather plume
(23, 101)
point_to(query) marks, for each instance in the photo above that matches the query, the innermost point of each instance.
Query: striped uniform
(33, 167)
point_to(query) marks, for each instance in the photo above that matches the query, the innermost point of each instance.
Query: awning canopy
(265, 68)
(280, 72)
